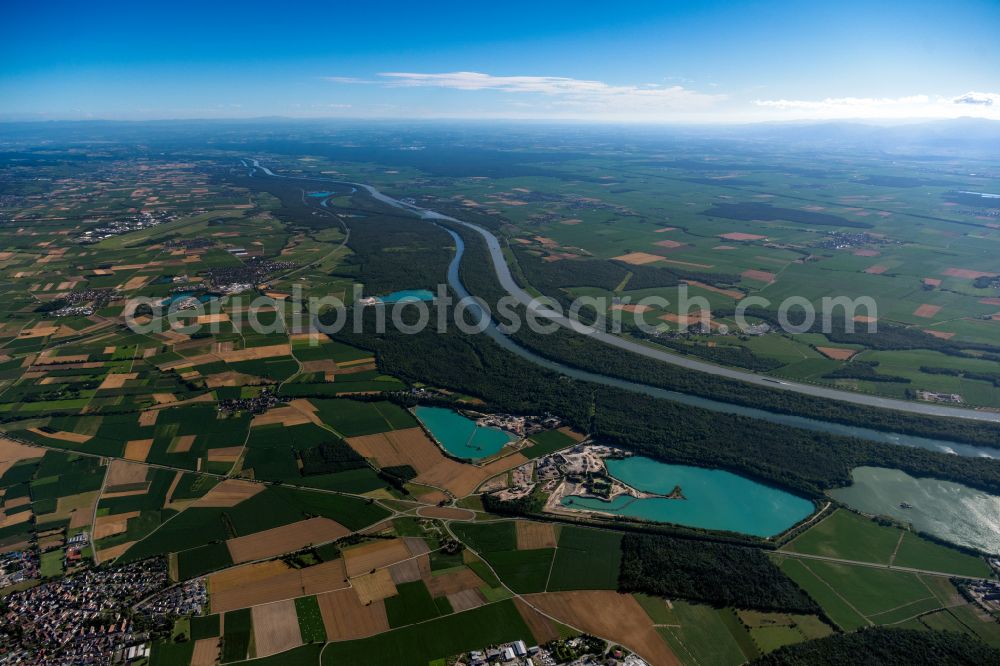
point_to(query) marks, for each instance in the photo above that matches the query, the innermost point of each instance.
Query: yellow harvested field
(373, 555)
(148, 417)
(78, 508)
(164, 398)
(577, 436)
(256, 353)
(181, 444)
(63, 435)
(374, 586)
(206, 652)
(411, 446)
(634, 308)
(227, 454)
(836, 353)
(111, 525)
(39, 331)
(138, 449)
(621, 619)
(117, 380)
(639, 258)
(275, 628)
(15, 518)
(344, 617)
(235, 578)
(285, 539)
(263, 583)
(12, 452)
(16, 502)
(305, 407)
(82, 516)
(450, 582)
(230, 492)
(124, 473)
(927, 311)
(542, 628)
(136, 282)
(115, 551)
(217, 318)
(326, 365)
(46, 358)
(532, 535)
(286, 416)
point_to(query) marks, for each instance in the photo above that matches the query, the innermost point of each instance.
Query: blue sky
(643, 61)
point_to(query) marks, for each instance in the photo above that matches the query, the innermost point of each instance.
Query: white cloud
(984, 99)
(345, 79)
(549, 85)
(554, 97)
(985, 105)
(564, 95)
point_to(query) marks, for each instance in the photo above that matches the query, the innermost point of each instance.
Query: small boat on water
(905, 505)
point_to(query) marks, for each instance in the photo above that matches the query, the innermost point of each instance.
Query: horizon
(648, 63)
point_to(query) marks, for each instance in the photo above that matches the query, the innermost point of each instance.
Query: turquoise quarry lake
(460, 436)
(408, 295)
(716, 499)
(945, 509)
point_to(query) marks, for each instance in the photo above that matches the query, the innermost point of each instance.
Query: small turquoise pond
(320, 195)
(716, 500)
(408, 295)
(460, 436)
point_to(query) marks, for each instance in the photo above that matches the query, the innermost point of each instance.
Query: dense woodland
(885, 647)
(415, 258)
(714, 573)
